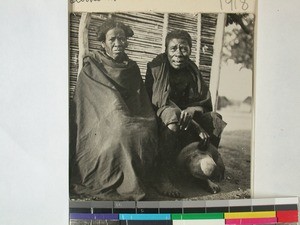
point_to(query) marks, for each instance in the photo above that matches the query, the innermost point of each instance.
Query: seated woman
(183, 106)
(114, 133)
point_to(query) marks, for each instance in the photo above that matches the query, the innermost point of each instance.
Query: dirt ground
(235, 149)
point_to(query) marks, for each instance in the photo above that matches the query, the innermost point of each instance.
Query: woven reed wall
(208, 30)
(187, 22)
(147, 41)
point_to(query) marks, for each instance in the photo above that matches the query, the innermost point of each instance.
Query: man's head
(178, 48)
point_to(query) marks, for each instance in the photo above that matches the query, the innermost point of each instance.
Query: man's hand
(184, 120)
(203, 135)
(201, 132)
(187, 115)
(191, 110)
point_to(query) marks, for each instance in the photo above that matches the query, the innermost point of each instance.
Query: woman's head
(178, 48)
(113, 37)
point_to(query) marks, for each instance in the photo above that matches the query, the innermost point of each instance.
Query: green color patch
(197, 216)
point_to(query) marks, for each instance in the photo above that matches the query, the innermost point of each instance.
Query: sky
(235, 81)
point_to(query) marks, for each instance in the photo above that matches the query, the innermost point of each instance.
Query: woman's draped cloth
(114, 133)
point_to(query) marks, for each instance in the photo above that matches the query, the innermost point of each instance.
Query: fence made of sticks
(150, 30)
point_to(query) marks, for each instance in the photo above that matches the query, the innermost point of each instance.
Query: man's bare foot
(212, 187)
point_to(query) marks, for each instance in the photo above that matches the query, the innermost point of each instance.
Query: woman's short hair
(178, 34)
(110, 24)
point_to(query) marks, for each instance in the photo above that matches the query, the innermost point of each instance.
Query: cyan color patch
(144, 217)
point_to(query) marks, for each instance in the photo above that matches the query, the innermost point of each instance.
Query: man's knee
(215, 115)
(173, 127)
(171, 117)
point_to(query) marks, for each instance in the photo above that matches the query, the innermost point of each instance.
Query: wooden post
(165, 31)
(198, 48)
(216, 62)
(83, 38)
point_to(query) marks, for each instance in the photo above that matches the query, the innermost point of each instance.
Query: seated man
(182, 103)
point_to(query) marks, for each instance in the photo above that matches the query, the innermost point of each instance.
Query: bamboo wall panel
(73, 51)
(147, 40)
(187, 22)
(208, 30)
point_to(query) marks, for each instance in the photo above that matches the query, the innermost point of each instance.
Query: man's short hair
(179, 34)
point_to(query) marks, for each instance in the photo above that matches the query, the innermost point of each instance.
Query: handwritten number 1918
(233, 4)
(245, 5)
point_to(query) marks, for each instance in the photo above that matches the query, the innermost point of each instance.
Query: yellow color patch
(241, 215)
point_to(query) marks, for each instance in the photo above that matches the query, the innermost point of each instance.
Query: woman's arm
(149, 82)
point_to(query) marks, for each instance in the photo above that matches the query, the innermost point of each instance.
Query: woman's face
(115, 43)
(178, 52)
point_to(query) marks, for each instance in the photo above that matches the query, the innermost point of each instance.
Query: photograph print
(160, 106)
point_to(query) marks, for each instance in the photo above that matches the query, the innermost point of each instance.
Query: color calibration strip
(215, 212)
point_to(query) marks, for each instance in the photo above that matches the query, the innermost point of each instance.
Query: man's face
(115, 43)
(178, 52)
